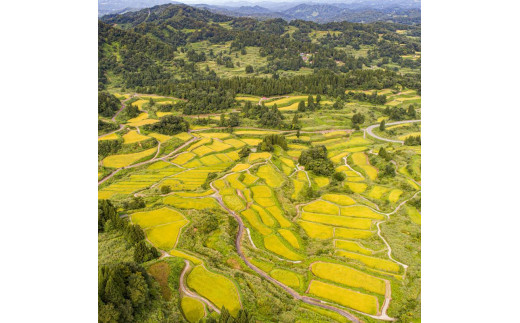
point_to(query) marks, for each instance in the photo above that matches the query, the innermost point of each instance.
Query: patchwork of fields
(323, 238)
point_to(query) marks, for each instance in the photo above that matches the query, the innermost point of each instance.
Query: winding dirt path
(292, 292)
(154, 159)
(369, 130)
(185, 290)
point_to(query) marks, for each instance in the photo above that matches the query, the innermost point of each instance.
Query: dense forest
(146, 50)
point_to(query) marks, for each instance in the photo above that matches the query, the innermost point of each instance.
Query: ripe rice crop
(261, 191)
(257, 156)
(162, 138)
(248, 98)
(183, 158)
(234, 182)
(235, 143)
(159, 165)
(156, 217)
(370, 170)
(219, 135)
(287, 277)
(297, 147)
(184, 136)
(290, 237)
(360, 211)
(219, 146)
(191, 203)
(278, 215)
(377, 191)
(224, 158)
(233, 155)
(357, 187)
(193, 309)
(165, 236)
(359, 158)
(294, 153)
(349, 277)
(161, 114)
(321, 181)
(255, 132)
(321, 207)
(371, 262)
(339, 199)
(335, 220)
(194, 194)
(249, 179)
(240, 167)
(394, 195)
(217, 288)
(267, 218)
(317, 231)
(210, 160)
(132, 137)
(199, 143)
(351, 246)
(112, 136)
(265, 201)
(140, 117)
(274, 244)
(142, 122)
(233, 202)
(193, 164)
(344, 233)
(291, 107)
(414, 214)
(117, 161)
(257, 225)
(203, 150)
(287, 161)
(251, 141)
(298, 186)
(180, 254)
(265, 266)
(346, 297)
(338, 159)
(357, 149)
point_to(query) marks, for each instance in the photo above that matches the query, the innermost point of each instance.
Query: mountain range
(398, 11)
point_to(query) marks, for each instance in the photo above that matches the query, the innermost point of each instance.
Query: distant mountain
(107, 7)
(324, 13)
(321, 11)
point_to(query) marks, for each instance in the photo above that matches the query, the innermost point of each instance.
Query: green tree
(382, 125)
(301, 106)
(249, 69)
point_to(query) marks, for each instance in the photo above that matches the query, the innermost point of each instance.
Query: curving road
(292, 292)
(370, 128)
(184, 289)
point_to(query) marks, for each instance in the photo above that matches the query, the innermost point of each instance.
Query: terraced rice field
(218, 289)
(287, 277)
(328, 247)
(193, 309)
(133, 136)
(371, 262)
(274, 244)
(348, 277)
(118, 161)
(346, 297)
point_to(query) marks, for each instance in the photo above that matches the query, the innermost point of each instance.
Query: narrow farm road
(292, 292)
(370, 128)
(185, 290)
